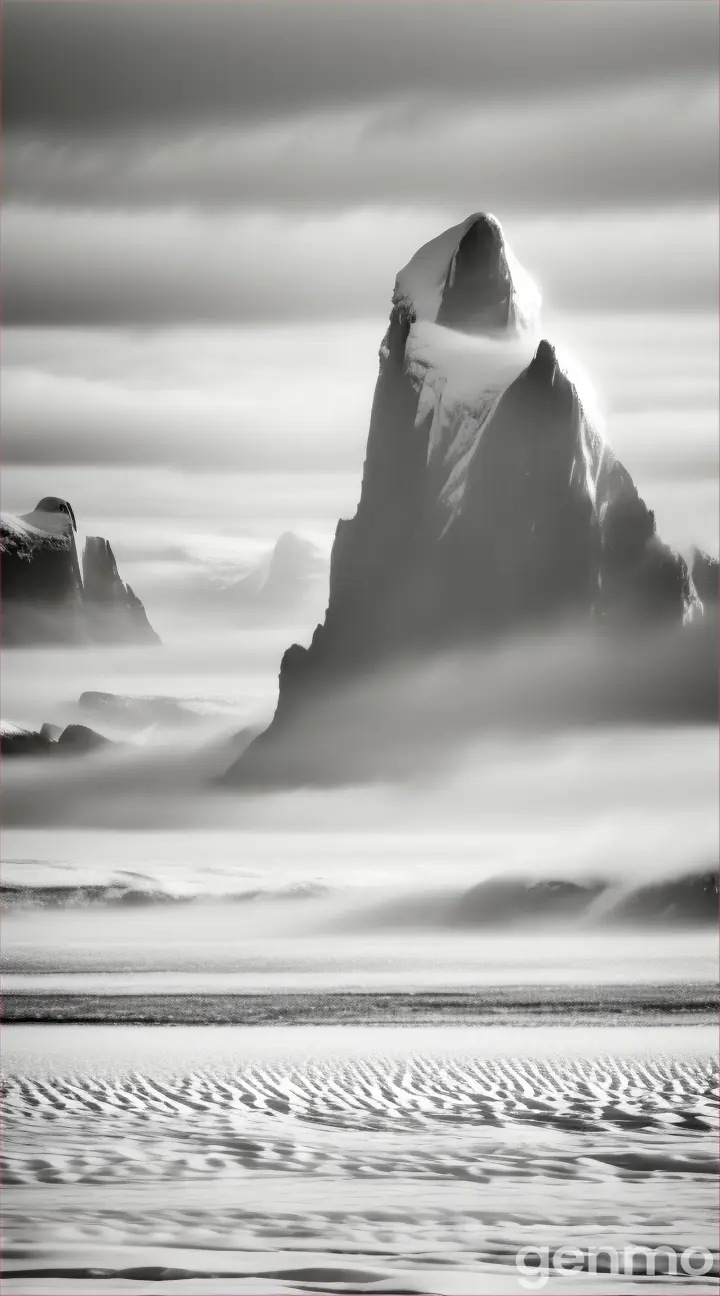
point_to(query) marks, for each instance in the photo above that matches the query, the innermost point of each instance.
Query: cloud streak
(162, 268)
(593, 150)
(93, 70)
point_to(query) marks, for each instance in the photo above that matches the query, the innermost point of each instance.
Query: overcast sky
(206, 205)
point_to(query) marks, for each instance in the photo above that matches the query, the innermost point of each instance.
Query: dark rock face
(113, 609)
(41, 576)
(48, 597)
(502, 902)
(478, 289)
(525, 547)
(689, 901)
(79, 738)
(643, 580)
(491, 503)
(24, 742)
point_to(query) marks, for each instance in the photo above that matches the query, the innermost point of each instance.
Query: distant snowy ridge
(498, 902)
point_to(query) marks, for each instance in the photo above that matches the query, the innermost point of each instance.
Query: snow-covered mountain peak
(467, 279)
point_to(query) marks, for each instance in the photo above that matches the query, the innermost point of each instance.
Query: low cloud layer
(435, 725)
(412, 719)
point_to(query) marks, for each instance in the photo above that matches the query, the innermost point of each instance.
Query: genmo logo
(537, 1264)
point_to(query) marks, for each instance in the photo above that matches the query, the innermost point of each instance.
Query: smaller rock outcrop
(79, 738)
(50, 740)
(50, 596)
(18, 741)
(500, 902)
(687, 901)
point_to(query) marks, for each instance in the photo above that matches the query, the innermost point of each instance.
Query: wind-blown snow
(461, 376)
(461, 379)
(461, 371)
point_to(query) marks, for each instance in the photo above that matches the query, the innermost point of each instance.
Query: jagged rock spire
(491, 502)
